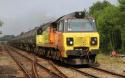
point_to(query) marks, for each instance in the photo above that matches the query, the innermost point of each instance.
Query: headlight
(93, 41)
(69, 41)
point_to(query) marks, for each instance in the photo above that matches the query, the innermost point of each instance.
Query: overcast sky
(22, 15)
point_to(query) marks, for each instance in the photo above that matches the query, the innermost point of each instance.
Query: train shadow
(69, 65)
(60, 63)
(66, 65)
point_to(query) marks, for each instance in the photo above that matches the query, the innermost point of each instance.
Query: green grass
(114, 62)
(106, 58)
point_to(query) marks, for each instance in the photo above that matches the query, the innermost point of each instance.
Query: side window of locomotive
(54, 29)
(39, 31)
(61, 26)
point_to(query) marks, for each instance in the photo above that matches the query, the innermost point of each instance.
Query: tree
(122, 5)
(6, 37)
(122, 21)
(110, 21)
(116, 39)
(107, 19)
(1, 23)
(98, 7)
(97, 10)
(122, 12)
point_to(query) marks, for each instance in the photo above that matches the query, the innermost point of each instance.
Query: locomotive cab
(78, 38)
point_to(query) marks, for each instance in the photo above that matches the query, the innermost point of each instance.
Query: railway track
(115, 75)
(109, 72)
(34, 69)
(90, 75)
(84, 73)
(62, 75)
(32, 74)
(51, 72)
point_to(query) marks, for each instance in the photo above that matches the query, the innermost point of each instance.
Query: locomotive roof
(71, 15)
(78, 14)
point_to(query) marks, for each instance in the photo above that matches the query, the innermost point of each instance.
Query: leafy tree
(6, 37)
(107, 19)
(122, 12)
(116, 39)
(98, 7)
(1, 23)
(122, 21)
(122, 5)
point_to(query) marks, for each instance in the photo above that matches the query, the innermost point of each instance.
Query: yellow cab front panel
(79, 40)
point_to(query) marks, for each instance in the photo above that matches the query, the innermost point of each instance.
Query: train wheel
(57, 56)
(40, 52)
(44, 52)
(27, 48)
(92, 61)
(54, 55)
(36, 50)
(50, 53)
(61, 59)
(47, 53)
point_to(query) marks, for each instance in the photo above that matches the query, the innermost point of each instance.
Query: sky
(23, 15)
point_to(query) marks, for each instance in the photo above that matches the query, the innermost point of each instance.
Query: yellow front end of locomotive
(80, 41)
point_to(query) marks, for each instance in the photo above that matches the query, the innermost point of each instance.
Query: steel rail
(84, 73)
(34, 70)
(20, 65)
(109, 72)
(41, 66)
(62, 74)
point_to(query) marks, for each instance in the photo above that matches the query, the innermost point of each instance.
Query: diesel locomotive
(72, 38)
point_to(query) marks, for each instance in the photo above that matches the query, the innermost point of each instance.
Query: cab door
(59, 37)
(52, 36)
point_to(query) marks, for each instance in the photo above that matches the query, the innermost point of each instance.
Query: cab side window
(61, 26)
(39, 31)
